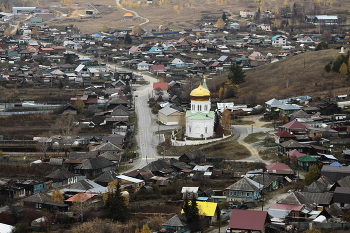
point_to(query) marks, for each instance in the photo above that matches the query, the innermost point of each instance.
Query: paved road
(147, 146)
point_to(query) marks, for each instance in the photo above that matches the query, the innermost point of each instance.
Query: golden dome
(199, 93)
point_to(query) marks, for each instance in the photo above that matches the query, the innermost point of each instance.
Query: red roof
(294, 125)
(248, 220)
(47, 49)
(295, 153)
(278, 206)
(161, 86)
(83, 198)
(278, 166)
(158, 68)
(284, 134)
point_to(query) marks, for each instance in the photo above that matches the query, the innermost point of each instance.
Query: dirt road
(245, 130)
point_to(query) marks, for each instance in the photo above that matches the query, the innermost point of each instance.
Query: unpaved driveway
(245, 130)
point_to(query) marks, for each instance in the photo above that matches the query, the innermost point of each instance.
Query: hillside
(289, 77)
(177, 15)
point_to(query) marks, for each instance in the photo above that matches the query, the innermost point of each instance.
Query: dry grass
(231, 150)
(191, 12)
(288, 78)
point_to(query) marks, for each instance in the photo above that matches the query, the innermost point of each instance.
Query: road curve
(244, 131)
(135, 13)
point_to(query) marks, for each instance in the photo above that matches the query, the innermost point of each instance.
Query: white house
(246, 13)
(279, 41)
(83, 71)
(143, 66)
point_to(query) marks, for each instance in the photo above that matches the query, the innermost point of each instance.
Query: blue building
(177, 223)
(244, 190)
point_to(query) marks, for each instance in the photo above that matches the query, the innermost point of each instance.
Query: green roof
(199, 115)
(205, 85)
(242, 59)
(36, 20)
(307, 158)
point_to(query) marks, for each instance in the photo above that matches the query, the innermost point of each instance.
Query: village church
(200, 120)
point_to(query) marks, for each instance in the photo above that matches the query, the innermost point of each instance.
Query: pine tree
(115, 207)
(127, 38)
(236, 74)
(216, 120)
(191, 213)
(337, 63)
(224, 17)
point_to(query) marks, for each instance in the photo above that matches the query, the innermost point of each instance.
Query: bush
(328, 67)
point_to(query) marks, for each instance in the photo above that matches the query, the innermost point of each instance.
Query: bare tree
(226, 120)
(80, 205)
(43, 145)
(64, 125)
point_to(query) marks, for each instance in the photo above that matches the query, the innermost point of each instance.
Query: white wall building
(200, 120)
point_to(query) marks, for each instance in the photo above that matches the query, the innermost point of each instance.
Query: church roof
(205, 83)
(199, 115)
(200, 92)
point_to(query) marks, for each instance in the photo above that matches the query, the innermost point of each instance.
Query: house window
(206, 129)
(247, 194)
(234, 194)
(239, 193)
(189, 129)
(38, 206)
(205, 107)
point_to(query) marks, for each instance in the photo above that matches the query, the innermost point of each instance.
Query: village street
(148, 138)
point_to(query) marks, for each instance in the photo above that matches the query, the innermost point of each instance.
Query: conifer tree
(236, 74)
(127, 38)
(115, 207)
(191, 213)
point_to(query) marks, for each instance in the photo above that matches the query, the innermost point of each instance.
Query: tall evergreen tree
(127, 38)
(224, 17)
(115, 207)
(216, 120)
(191, 213)
(236, 74)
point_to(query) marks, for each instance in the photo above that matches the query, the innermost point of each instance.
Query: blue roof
(275, 37)
(202, 198)
(335, 164)
(96, 35)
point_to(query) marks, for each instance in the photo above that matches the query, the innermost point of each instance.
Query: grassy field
(231, 150)
(254, 137)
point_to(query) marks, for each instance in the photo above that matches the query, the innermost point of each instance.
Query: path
(14, 30)
(244, 131)
(134, 12)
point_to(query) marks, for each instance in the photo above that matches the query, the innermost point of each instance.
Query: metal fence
(309, 225)
(25, 113)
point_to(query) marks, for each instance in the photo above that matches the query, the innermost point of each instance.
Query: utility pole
(262, 191)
